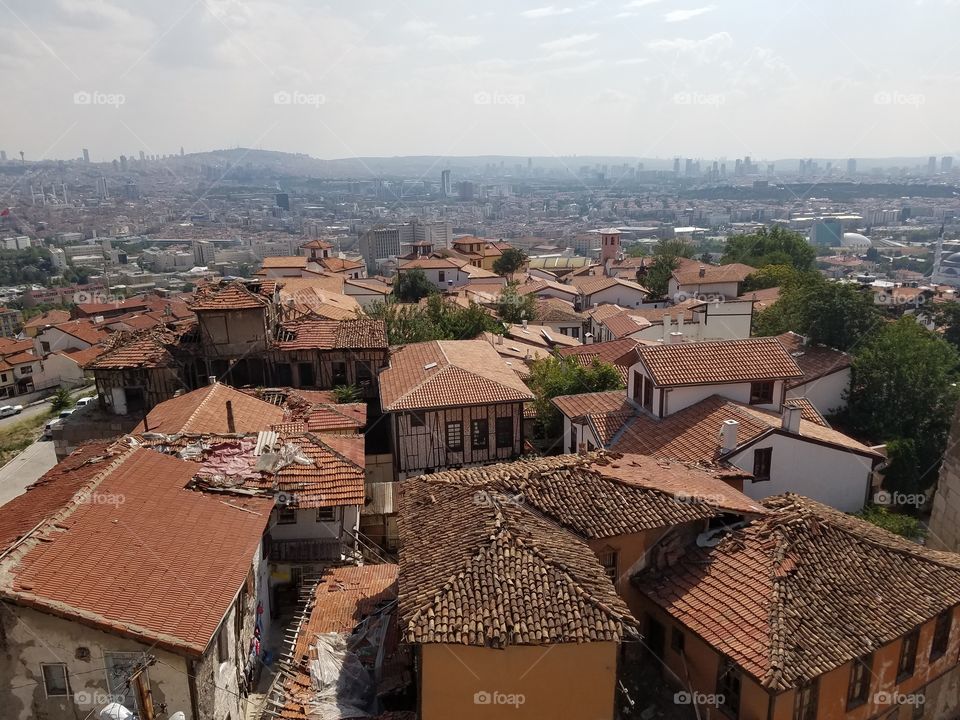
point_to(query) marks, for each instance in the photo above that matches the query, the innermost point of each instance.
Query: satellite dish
(115, 711)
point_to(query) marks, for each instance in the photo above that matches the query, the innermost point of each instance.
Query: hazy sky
(778, 78)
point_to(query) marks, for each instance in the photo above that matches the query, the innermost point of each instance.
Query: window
(941, 635)
(443, 276)
(637, 386)
(648, 393)
(728, 688)
(223, 645)
(55, 679)
(573, 438)
(504, 432)
(326, 514)
(676, 640)
(761, 393)
(455, 436)
(306, 374)
(479, 433)
(364, 376)
(339, 373)
(286, 515)
(416, 420)
(908, 655)
(805, 706)
(859, 688)
(609, 558)
(26, 370)
(761, 463)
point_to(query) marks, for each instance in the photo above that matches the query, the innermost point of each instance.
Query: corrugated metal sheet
(382, 498)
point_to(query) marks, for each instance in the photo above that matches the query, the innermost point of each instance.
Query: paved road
(35, 410)
(26, 467)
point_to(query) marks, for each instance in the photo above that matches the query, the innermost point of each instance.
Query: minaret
(935, 278)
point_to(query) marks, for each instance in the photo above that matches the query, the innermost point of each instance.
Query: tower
(609, 244)
(86, 155)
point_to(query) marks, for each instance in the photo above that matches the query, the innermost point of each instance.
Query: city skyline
(647, 78)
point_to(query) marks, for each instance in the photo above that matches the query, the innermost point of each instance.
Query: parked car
(9, 410)
(84, 401)
(48, 428)
(66, 413)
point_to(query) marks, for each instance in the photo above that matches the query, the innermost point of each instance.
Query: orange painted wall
(556, 681)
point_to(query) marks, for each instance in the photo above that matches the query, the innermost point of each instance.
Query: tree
(346, 394)
(947, 318)
(61, 400)
(835, 314)
(770, 276)
(666, 258)
(512, 307)
(412, 285)
(908, 527)
(437, 319)
(776, 246)
(510, 261)
(902, 388)
(555, 376)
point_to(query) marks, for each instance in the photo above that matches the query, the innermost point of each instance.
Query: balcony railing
(312, 550)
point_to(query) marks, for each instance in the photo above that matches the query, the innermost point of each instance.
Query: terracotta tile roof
(810, 589)
(370, 285)
(334, 264)
(689, 273)
(135, 322)
(762, 298)
(691, 434)
(317, 334)
(575, 406)
(146, 349)
(537, 286)
(815, 361)
(346, 416)
(432, 263)
(342, 599)
(227, 463)
(808, 411)
(317, 245)
(51, 493)
(229, 296)
(150, 582)
(537, 335)
(625, 323)
(85, 356)
(589, 286)
(134, 304)
(50, 317)
(608, 352)
(21, 358)
(84, 330)
(205, 411)
(448, 373)
(555, 310)
(601, 495)
(292, 261)
(722, 361)
(506, 576)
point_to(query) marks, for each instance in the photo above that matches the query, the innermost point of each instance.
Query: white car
(84, 401)
(48, 428)
(66, 413)
(10, 410)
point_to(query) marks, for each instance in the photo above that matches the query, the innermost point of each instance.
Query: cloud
(418, 26)
(631, 61)
(640, 3)
(544, 12)
(453, 43)
(566, 55)
(706, 50)
(683, 15)
(568, 42)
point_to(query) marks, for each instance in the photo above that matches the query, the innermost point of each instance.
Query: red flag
(4, 212)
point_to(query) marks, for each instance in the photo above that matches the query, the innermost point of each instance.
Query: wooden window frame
(807, 700)
(454, 429)
(46, 682)
(480, 429)
(417, 420)
(762, 457)
(327, 514)
(280, 515)
(730, 687)
(907, 665)
(942, 629)
(761, 392)
(500, 436)
(858, 688)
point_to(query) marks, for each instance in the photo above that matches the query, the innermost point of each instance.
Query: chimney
(676, 338)
(231, 423)
(588, 339)
(728, 435)
(212, 379)
(499, 339)
(524, 321)
(791, 419)
(666, 328)
(680, 323)
(703, 271)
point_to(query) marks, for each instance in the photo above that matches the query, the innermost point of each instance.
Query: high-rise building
(946, 163)
(123, 162)
(446, 189)
(3, 155)
(827, 232)
(931, 165)
(86, 155)
(465, 190)
(143, 156)
(283, 201)
(852, 166)
(203, 253)
(676, 166)
(102, 190)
